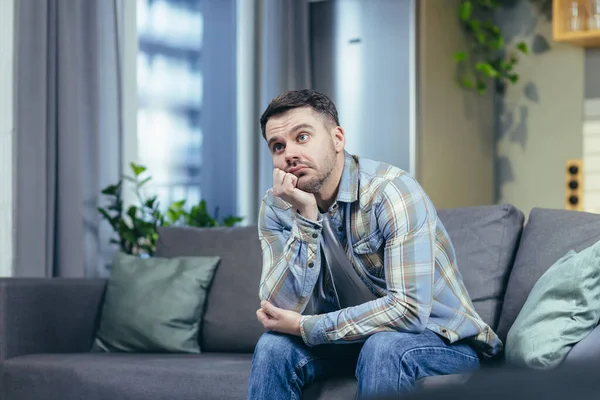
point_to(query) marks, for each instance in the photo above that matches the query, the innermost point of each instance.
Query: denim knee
(275, 347)
(377, 349)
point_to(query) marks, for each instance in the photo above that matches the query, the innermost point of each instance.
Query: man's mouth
(297, 169)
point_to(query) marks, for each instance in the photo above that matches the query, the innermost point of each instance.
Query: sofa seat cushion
(124, 376)
(438, 381)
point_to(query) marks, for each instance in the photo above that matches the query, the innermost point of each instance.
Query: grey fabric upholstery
(335, 388)
(547, 236)
(48, 315)
(485, 239)
(587, 350)
(439, 381)
(230, 323)
(100, 376)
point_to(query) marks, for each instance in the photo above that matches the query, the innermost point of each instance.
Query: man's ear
(339, 138)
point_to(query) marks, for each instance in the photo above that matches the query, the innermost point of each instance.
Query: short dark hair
(300, 98)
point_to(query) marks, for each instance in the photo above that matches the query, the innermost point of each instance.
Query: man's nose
(291, 154)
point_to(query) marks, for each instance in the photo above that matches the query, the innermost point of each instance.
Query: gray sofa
(47, 325)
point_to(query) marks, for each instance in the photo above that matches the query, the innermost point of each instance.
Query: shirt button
(340, 229)
(444, 330)
(314, 235)
(311, 264)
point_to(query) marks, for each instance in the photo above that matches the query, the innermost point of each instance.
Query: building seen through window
(170, 95)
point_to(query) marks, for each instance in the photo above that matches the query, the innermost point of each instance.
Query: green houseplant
(487, 58)
(137, 226)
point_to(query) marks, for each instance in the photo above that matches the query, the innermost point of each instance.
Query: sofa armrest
(57, 315)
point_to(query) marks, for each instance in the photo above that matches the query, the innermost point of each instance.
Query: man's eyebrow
(294, 129)
(301, 126)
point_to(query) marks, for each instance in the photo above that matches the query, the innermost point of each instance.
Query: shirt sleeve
(407, 221)
(291, 260)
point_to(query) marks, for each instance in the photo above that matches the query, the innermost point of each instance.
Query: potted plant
(137, 226)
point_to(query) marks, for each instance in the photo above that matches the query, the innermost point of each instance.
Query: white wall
(6, 135)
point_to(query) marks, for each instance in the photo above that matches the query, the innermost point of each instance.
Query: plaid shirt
(398, 246)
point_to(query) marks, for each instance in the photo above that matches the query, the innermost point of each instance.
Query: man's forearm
(295, 260)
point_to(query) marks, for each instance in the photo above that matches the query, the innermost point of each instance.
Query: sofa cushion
(440, 381)
(154, 304)
(123, 376)
(562, 309)
(485, 240)
(547, 236)
(230, 322)
(333, 388)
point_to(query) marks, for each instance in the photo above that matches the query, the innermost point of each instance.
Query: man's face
(301, 143)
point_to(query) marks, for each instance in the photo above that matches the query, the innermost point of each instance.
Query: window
(170, 96)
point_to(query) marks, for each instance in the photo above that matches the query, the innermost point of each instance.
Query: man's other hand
(278, 320)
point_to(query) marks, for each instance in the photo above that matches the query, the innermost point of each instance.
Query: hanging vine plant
(487, 60)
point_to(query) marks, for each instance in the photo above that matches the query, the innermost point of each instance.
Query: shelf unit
(560, 18)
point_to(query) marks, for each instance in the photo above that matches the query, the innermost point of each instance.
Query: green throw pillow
(154, 304)
(562, 309)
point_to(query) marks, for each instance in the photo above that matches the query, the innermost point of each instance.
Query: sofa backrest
(485, 240)
(547, 236)
(229, 323)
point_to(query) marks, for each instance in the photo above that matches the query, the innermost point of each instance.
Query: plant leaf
(132, 213)
(465, 10)
(460, 56)
(522, 46)
(150, 202)
(486, 69)
(137, 169)
(231, 220)
(112, 190)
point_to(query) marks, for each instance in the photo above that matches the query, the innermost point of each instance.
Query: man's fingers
(269, 309)
(264, 319)
(279, 177)
(288, 182)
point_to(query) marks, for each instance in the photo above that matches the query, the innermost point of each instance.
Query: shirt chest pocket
(368, 251)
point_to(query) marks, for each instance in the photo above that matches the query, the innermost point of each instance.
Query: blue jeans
(387, 363)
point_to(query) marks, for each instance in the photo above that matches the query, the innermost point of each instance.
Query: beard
(315, 183)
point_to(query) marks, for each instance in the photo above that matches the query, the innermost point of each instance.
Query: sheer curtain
(273, 56)
(68, 134)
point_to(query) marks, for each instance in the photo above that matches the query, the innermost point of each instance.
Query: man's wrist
(310, 212)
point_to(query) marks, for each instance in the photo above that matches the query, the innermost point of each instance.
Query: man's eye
(303, 137)
(278, 147)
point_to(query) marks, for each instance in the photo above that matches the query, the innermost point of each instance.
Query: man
(420, 320)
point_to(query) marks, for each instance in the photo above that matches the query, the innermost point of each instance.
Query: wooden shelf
(560, 17)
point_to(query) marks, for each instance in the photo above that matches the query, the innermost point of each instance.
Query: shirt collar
(348, 190)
